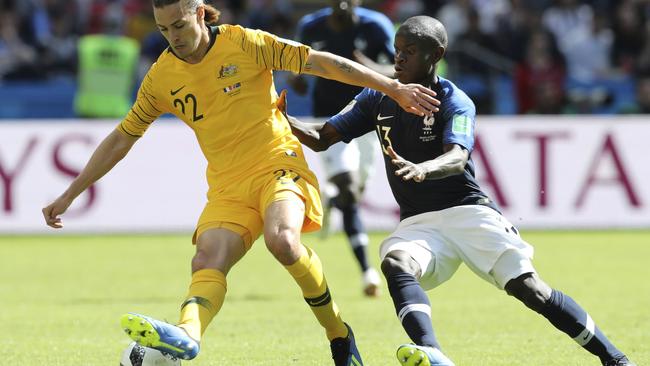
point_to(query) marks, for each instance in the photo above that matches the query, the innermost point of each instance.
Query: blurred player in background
(446, 219)
(367, 36)
(218, 80)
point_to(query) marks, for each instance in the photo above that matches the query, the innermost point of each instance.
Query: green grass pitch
(62, 297)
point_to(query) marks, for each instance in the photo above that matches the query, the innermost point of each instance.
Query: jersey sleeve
(460, 125)
(144, 111)
(356, 119)
(267, 50)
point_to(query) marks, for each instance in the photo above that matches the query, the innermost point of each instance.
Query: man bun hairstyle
(426, 29)
(211, 16)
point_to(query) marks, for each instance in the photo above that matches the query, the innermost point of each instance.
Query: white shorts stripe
(586, 335)
(414, 307)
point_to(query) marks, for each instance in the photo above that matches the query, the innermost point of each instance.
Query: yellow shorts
(241, 207)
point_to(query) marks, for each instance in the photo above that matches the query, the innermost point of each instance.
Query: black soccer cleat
(344, 350)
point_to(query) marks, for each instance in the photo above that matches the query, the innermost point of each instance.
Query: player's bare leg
(282, 227)
(217, 250)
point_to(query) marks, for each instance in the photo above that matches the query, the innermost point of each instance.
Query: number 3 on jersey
(383, 136)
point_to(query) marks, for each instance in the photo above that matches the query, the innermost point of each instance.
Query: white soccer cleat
(371, 282)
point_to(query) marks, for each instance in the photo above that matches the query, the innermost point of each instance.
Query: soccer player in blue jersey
(446, 219)
(347, 30)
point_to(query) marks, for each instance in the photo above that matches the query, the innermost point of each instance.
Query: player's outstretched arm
(316, 136)
(414, 98)
(114, 147)
(451, 162)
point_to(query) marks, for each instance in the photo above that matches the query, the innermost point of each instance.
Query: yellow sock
(308, 273)
(206, 295)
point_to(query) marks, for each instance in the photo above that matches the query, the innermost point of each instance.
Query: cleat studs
(130, 318)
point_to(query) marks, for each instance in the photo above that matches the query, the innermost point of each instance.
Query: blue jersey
(372, 35)
(418, 139)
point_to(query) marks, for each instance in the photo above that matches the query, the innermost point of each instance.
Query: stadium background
(562, 90)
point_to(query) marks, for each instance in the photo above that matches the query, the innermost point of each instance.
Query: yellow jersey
(228, 99)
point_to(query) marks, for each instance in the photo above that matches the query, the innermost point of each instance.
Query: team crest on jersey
(427, 130)
(227, 71)
(233, 89)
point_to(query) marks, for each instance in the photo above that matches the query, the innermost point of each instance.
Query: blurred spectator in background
(107, 69)
(18, 60)
(513, 30)
(628, 35)
(588, 50)
(643, 61)
(567, 16)
(604, 44)
(59, 52)
(469, 64)
(539, 79)
(455, 17)
(489, 13)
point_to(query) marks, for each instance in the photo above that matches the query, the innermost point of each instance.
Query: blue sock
(566, 315)
(413, 308)
(355, 232)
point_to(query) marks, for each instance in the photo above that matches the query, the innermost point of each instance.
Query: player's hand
(51, 213)
(281, 103)
(407, 170)
(416, 99)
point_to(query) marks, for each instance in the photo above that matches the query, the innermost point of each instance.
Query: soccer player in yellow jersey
(218, 80)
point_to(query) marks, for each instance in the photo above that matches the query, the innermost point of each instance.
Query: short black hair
(426, 29)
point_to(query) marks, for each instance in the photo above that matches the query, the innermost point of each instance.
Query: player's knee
(530, 290)
(399, 261)
(283, 244)
(200, 260)
(218, 252)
